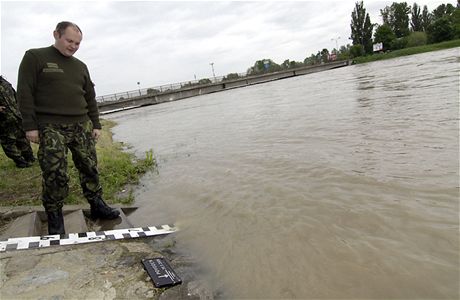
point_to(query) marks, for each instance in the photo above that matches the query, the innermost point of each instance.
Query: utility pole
(213, 74)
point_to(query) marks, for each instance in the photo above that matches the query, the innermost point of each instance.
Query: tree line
(402, 26)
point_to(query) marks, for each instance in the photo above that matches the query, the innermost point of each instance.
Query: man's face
(69, 42)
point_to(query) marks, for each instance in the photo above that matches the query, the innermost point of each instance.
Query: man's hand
(2, 108)
(96, 134)
(32, 136)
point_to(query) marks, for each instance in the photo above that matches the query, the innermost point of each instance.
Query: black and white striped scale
(34, 242)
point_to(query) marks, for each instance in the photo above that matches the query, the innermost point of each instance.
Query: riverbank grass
(119, 169)
(407, 51)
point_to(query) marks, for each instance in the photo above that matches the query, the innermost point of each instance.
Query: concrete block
(75, 222)
(24, 225)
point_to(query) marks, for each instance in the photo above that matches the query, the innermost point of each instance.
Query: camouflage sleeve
(2, 96)
(90, 96)
(3, 104)
(27, 79)
(8, 98)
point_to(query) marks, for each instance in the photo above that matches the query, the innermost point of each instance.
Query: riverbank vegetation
(407, 51)
(118, 170)
(404, 30)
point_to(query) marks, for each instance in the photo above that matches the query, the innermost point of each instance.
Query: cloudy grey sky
(156, 43)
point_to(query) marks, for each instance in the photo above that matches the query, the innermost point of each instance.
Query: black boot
(100, 210)
(55, 222)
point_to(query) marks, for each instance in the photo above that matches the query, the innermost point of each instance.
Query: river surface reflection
(339, 184)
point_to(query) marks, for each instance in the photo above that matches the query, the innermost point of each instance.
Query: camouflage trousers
(14, 141)
(55, 141)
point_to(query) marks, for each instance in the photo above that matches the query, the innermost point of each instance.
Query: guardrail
(164, 88)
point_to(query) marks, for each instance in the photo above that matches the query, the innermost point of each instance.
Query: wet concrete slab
(103, 270)
(100, 270)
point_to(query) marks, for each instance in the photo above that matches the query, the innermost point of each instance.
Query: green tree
(356, 51)
(231, 76)
(397, 17)
(426, 18)
(456, 22)
(309, 61)
(257, 68)
(442, 11)
(204, 81)
(416, 18)
(384, 34)
(319, 59)
(361, 27)
(444, 25)
(264, 66)
(325, 55)
(399, 43)
(344, 52)
(386, 15)
(295, 64)
(285, 65)
(441, 30)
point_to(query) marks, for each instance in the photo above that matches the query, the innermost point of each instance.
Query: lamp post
(336, 43)
(139, 87)
(213, 74)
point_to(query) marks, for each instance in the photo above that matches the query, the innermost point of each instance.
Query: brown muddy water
(339, 184)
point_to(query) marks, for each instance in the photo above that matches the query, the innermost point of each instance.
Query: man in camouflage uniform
(52, 155)
(12, 136)
(58, 104)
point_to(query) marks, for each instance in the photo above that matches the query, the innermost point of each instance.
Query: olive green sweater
(53, 88)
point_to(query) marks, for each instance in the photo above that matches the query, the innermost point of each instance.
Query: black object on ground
(161, 272)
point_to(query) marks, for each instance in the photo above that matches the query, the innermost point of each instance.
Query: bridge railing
(163, 88)
(190, 84)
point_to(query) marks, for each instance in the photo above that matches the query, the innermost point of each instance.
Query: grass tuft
(118, 172)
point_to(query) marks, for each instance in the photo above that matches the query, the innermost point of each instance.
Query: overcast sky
(156, 43)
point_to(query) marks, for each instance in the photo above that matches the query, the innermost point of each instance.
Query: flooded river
(339, 184)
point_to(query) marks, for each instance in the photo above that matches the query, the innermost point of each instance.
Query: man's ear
(56, 35)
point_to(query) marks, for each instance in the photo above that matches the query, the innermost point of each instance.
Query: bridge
(133, 99)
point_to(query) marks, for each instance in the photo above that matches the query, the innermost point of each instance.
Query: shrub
(417, 39)
(356, 51)
(399, 43)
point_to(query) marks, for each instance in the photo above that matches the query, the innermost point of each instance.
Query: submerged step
(26, 225)
(74, 221)
(121, 222)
